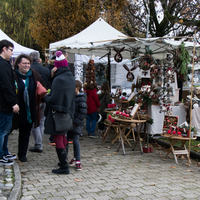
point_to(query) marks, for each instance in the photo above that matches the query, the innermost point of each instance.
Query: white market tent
(18, 49)
(82, 43)
(100, 37)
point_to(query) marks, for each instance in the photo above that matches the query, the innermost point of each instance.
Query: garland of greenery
(185, 58)
(181, 61)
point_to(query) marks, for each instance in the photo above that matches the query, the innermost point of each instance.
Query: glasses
(10, 49)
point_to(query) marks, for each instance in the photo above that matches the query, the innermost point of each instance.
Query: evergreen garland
(185, 59)
(181, 61)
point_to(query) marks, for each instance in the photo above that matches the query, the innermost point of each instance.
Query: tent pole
(191, 100)
(109, 54)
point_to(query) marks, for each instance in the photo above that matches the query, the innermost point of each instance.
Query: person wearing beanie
(60, 99)
(60, 61)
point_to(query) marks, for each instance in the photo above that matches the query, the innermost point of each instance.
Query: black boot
(62, 156)
(66, 149)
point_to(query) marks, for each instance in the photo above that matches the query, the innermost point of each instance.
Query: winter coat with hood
(80, 113)
(92, 101)
(60, 99)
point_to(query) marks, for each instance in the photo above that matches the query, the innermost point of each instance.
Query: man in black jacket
(8, 100)
(45, 74)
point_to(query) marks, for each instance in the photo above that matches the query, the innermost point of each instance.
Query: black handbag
(63, 121)
(15, 121)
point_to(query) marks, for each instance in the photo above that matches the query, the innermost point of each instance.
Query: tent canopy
(82, 42)
(18, 49)
(99, 38)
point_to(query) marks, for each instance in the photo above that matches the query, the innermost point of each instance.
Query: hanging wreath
(146, 61)
(118, 57)
(130, 76)
(100, 71)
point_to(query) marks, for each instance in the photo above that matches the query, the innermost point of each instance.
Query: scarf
(26, 95)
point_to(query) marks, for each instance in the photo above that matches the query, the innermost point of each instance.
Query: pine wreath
(145, 62)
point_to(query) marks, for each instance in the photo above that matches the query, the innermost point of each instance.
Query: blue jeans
(91, 118)
(76, 145)
(5, 128)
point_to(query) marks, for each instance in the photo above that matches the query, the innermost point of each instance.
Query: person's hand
(98, 109)
(53, 71)
(15, 108)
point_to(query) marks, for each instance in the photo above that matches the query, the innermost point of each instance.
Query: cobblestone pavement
(107, 174)
(6, 181)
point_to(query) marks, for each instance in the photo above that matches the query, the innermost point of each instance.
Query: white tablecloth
(156, 127)
(196, 119)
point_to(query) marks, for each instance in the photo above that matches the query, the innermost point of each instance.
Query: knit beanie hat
(60, 60)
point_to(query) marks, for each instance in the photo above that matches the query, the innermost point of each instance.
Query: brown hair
(19, 59)
(105, 87)
(78, 84)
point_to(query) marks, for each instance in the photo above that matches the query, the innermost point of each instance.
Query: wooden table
(128, 123)
(182, 150)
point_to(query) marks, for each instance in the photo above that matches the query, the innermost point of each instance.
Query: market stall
(163, 65)
(18, 49)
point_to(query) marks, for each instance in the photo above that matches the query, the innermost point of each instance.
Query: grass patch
(193, 144)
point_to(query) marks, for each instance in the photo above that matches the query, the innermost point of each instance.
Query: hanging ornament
(118, 57)
(130, 76)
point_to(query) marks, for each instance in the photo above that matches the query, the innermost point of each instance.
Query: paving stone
(106, 175)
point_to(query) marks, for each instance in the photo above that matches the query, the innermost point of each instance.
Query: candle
(127, 115)
(117, 112)
(124, 114)
(179, 133)
(173, 132)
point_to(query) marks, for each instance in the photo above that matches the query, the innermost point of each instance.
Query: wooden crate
(169, 121)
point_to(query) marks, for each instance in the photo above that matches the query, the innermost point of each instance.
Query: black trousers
(23, 140)
(101, 124)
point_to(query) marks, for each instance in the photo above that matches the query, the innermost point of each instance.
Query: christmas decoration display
(156, 71)
(146, 61)
(90, 78)
(170, 121)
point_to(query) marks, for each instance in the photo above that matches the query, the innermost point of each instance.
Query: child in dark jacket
(79, 116)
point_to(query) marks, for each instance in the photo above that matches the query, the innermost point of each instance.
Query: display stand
(182, 150)
(130, 123)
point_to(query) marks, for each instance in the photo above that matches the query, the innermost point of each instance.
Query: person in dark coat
(43, 71)
(79, 116)
(51, 61)
(60, 99)
(8, 100)
(104, 98)
(26, 83)
(45, 74)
